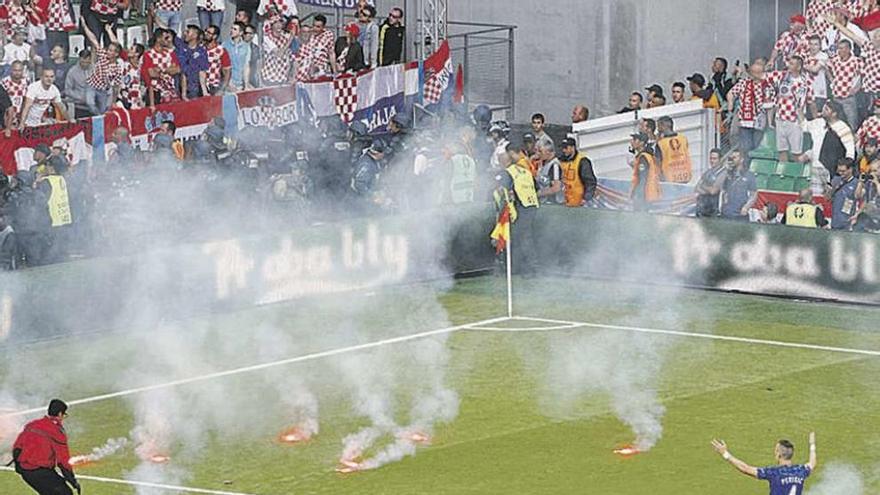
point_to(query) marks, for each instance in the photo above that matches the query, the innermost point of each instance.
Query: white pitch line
(523, 329)
(147, 484)
(708, 336)
(259, 367)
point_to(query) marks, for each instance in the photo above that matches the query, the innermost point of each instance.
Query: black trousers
(46, 482)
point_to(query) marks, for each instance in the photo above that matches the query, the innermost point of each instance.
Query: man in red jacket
(40, 448)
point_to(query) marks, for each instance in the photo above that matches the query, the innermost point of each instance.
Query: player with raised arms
(785, 478)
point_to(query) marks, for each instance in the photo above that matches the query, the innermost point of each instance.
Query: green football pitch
(535, 404)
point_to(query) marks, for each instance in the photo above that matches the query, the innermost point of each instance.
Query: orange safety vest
(571, 179)
(652, 186)
(676, 155)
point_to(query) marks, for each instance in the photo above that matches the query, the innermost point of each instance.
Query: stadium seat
(767, 149)
(762, 166)
(77, 43)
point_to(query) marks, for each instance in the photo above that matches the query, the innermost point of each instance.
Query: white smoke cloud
(838, 479)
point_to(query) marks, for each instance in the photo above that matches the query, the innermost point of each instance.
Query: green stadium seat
(801, 184)
(798, 170)
(762, 166)
(767, 148)
(781, 183)
(762, 181)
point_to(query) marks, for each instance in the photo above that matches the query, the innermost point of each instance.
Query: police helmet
(402, 120)
(359, 129)
(501, 127)
(333, 126)
(482, 115)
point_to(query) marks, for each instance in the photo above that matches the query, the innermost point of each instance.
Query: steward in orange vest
(645, 187)
(673, 154)
(578, 178)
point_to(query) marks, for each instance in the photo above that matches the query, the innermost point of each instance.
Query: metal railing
(486, 53)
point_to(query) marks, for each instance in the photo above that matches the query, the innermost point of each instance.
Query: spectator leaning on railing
(369, 35)
(160, 68)
(194, 65)
(392, 34)
(16, 85)
(41, 96)
(219, 64)
(76, 84)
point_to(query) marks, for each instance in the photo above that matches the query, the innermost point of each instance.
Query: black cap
(56, 407)
(568, 142)
(697, 78)
(656, 89)
(378, 146)
(641, 136)
(43, 148)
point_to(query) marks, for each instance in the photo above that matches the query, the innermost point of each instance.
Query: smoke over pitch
(174, 428)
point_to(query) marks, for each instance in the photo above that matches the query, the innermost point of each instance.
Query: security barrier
(140, 291)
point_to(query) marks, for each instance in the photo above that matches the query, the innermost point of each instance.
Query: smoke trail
(112, 446)
(839, 479)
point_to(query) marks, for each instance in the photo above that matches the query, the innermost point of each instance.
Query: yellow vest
(59, 202)
(524, 185)
(676, 154)
(801, 215)
(571, 178)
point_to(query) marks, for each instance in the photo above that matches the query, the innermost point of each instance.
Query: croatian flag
(377, 95)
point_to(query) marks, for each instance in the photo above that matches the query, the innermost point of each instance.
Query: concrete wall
(599, 51)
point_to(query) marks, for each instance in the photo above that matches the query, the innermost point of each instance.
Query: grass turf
(509, 435)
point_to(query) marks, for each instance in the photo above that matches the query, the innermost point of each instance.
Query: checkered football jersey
(59, 17)
(105, 7)
(131, 91)
(170, 5)
(790, 44)
(315, 56)
(163, 85)
(107, 73)
(15, 17)
(847, 75)
(218, 58)
(871, 72)
(16, 91)
(870, 129)
(277, 58)
(792, 94)
(816, 15)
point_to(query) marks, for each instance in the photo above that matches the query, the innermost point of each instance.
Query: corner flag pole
(509, 274)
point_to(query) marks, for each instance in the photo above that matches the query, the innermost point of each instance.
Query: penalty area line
(147, 484)
(566, 325)
(263, 366)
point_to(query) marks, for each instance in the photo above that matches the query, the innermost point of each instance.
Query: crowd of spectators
(57, 208)
(820, 84)
(266, 45)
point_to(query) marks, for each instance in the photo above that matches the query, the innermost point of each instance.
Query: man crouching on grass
(785, 478)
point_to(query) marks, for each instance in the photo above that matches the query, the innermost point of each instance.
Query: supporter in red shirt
(219, 64)
(41, 448)
(159, 69)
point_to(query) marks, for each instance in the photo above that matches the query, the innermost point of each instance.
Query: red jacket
(43, 444)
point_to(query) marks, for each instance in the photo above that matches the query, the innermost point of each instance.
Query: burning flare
(297, 434)
(627, 451)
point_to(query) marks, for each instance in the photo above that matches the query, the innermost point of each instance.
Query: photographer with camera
(867, 218)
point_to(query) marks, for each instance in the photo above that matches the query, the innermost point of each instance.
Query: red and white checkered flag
(345, 96)
(436, 84)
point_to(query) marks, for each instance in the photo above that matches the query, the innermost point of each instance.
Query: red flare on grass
(79, 461)
(294, 435)
(159, 458)
(627, 451)
(418, 437)
(347, 466)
